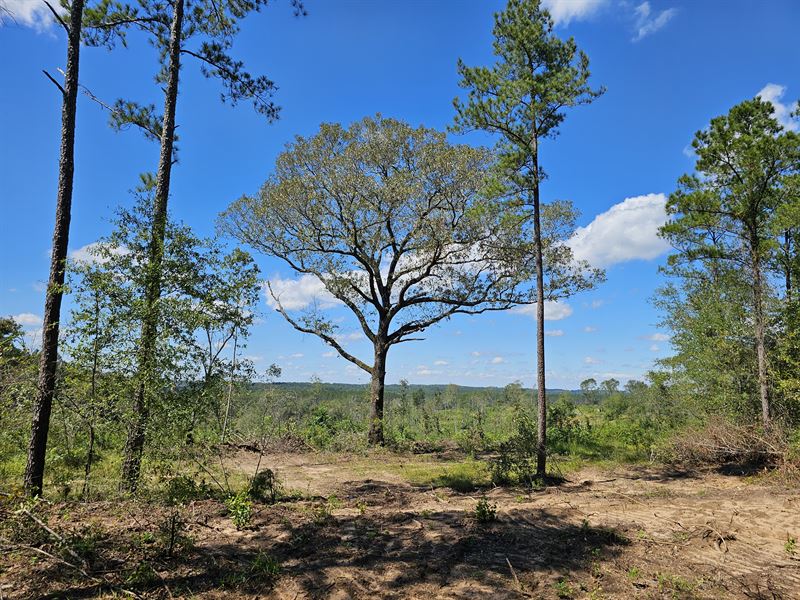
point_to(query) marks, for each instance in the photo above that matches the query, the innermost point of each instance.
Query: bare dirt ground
(361, 530)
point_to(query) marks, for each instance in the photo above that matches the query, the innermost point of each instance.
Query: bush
(516, 459)
(265, 487)
(485, 512)
(240, 509)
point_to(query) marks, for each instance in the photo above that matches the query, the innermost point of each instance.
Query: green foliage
(516, 458)
(731, 305)
(485, 512)
(265, 567)
(265, 486)
(240, 509)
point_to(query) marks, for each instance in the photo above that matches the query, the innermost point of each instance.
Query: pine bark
(760, 326)
(541, 390)
(134, 446)
(48, 362)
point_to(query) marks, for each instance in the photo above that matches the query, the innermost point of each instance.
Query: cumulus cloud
(590, 360)
(626, 231)
(554, 332)
(30, 13)
(553, 310)
(654, 348)
(27, 319)
(773, 93)
(296, 294)
(648, 22)
(498, 360)
(88, 254)
(330, 354)
(564, 11)
(440, 363)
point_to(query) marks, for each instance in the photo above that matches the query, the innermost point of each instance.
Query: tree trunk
(376, 395)
(134, 446)
(43, 404)
(761, 353)
(541, 390)
(230, 391)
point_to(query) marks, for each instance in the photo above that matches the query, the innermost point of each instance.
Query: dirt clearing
(386, 526)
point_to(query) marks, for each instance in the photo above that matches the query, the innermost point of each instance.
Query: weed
(634, 573)
(563, 589)
(790, 546)
(485, 512)
(362, 507)
(265, 566)
(240, 509)
(143, 575)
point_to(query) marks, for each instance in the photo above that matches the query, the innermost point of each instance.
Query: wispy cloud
(29, 13)
(564, 11)
(553, 310)
(648, 22)
(554, 332)
(297, 294)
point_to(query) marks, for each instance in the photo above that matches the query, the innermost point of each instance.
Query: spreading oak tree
(399, 225)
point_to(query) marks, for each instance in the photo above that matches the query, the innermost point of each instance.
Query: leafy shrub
(183, 489)
(240, 509)
(485, 512)
(265, 486)
(516, 458)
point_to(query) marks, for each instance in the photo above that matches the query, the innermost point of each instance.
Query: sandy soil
(626, 533)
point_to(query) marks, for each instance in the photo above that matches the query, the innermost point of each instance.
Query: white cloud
(476, 353)
(353, 336)
(654, 348)
(772, 93)
(626, 231)
(564, 11)
(39, 286)
(554, 332)
(656, 337)
(296, 294)
(590, 360)
(330, 354)
(440, 363)
(88, 254)
(589, 329)
(424, 371)
(648, 22)
(31, 13)
(498, 360)
(553, 310)
(297, 355)
(27, 319)
(597, 303)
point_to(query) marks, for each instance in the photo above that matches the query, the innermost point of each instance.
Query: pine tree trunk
(761, 352)
(541, 391)
(376, 394)
(134, 446)
(43, 404)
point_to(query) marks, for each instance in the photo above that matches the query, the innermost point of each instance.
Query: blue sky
(669, 67)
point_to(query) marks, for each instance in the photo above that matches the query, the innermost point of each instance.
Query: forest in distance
(146, 452)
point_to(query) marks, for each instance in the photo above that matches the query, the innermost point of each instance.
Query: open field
(404, 526)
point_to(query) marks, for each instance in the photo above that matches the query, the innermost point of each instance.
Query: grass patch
(463, 476)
